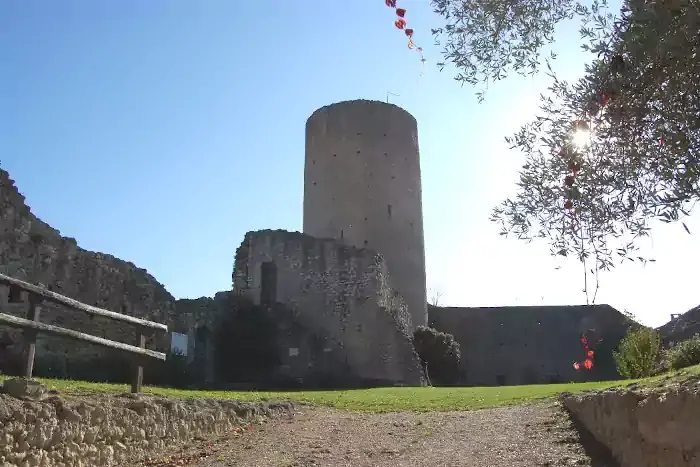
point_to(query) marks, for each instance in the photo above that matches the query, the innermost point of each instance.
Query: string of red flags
(402, 24)
(587, 363)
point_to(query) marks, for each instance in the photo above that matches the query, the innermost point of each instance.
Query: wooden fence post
(14, 291)
(34, 304)
(4, 296)
(137, 378)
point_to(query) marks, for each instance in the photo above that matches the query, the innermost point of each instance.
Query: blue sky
(162, 131)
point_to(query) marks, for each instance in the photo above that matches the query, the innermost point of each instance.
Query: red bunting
(588, 362)
(401, 24)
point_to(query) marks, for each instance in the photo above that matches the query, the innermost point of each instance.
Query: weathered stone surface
(198, 318)
(644, 427)
(109, 429)
(682, 327)
(33, 251)
(343, 293)
(362, 187)
(25, 389)
(530, 344)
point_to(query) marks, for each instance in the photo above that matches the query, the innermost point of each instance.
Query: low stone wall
(644, 427)
(48, 429)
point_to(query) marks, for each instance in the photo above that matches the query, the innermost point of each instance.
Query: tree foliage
(639, 97)
(440, 354)
(684, 354)
(487, 39)
(639, 353)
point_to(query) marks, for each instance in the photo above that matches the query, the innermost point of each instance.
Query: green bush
(639, 353)
(440, 354)
(685, 353)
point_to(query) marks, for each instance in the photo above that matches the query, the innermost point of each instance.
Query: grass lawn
(392, 399)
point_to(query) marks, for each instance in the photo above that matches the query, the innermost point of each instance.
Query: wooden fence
(16, 291)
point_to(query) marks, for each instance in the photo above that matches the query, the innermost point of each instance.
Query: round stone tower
(362, 186)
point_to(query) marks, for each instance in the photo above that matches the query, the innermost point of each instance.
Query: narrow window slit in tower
(388, 209)
(341, 233)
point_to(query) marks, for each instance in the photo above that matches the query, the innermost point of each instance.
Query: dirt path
(536, 435)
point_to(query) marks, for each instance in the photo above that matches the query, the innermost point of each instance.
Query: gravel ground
(535, 435)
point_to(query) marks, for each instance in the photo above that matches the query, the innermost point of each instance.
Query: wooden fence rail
(14, 290)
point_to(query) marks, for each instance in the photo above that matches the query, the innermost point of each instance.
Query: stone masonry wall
(117, 429)
(362, 187)
(198, 319)
(33, 251)
(644, 427)
(342, 292)
(682, 327)
(530, 345)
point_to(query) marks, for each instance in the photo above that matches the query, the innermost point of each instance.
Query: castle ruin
(362, 187)
(345, 294)
(357, 273)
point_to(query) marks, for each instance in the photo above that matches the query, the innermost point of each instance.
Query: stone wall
(530, 345)
(362, 187)
(112, 429)
(682, 327)
(33, 251)
(644, 427)
(340, 293)
(198, 319)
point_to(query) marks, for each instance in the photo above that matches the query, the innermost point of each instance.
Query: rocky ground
(535, 435)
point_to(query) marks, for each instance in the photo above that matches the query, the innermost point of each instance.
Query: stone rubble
(104, 429)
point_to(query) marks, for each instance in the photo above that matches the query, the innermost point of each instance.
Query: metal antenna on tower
(388, 94)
